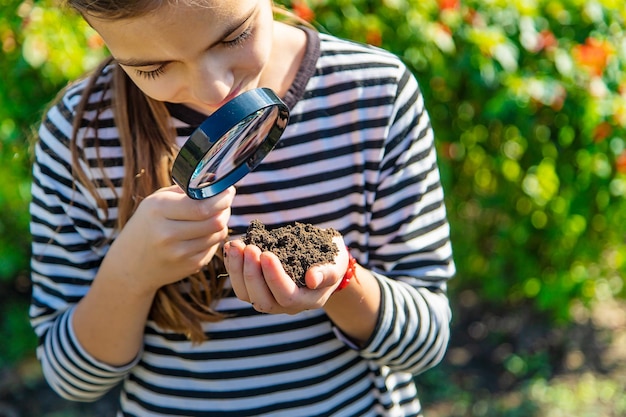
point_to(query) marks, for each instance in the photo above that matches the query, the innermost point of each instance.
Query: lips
(234, 93)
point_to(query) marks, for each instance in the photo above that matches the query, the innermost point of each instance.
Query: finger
(196, 262)
(329, 274)
(323, 276)
(172, 188)
(199, 246)
(215, 227)
(233, 261)
(290, 298)
(260, 295)
(202, 209)
(177, 206)
(283, 288)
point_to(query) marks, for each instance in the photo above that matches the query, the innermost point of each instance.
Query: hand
(169, 237)
(259, 278)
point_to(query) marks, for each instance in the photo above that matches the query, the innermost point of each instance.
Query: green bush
(41, 49)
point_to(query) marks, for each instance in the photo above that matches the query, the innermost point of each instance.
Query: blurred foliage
(528, 101)
(585, 395)
(41, 48)
(15, 324)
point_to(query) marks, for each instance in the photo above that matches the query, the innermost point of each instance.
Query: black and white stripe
(357, 156)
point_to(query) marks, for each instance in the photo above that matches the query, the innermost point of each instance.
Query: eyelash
(244, 36)
(239, 40)
(151, 75)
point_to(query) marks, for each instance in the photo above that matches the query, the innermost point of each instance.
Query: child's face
(199, 56)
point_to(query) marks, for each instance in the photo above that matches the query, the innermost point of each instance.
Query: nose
(211, 82)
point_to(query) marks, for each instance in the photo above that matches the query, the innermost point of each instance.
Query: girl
(135, 283)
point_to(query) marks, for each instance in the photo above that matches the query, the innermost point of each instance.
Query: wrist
(356, 310)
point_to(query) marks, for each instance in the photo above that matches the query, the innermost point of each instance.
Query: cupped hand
(259, 278)
(171, 236)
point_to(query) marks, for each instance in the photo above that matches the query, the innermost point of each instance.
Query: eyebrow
(132, 62)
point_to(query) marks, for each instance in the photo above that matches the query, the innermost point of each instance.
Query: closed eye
(152, 74)
(239, 40)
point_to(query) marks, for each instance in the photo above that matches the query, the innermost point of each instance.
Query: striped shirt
(358, 156)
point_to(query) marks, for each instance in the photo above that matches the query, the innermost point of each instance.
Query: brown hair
(148, 142)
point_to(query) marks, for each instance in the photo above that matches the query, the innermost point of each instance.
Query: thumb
(329, 274)
(171, 188)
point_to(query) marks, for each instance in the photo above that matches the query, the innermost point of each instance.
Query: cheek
(160, 89)
(260, 52)
(256, 63)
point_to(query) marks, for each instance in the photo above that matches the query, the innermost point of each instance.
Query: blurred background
(528, 102)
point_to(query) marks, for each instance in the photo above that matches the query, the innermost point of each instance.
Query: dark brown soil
(299, 246)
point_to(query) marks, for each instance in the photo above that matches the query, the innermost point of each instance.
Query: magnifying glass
(230, 143)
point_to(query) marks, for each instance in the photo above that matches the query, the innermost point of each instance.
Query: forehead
(171, 15)
(172, 29)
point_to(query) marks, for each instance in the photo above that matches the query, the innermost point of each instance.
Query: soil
(299, 246)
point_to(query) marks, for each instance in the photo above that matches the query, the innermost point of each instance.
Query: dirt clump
(299, 246)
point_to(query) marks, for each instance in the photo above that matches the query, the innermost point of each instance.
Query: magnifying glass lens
(230, 143)
(237, 146)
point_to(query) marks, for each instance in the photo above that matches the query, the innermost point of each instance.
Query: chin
(201, 108)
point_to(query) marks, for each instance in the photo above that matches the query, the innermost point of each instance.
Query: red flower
(374, 37)
(302, 10)
(620, 163)
(547, 40)
(602, 131)
(444, 150)
(449, 4)
(474, 18)
(95, 41)
(593, 55)
(444, 28)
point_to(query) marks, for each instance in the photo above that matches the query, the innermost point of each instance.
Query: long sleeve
(409, 247)
(69, 239)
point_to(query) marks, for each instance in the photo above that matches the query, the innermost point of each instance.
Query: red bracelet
(349, 272)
